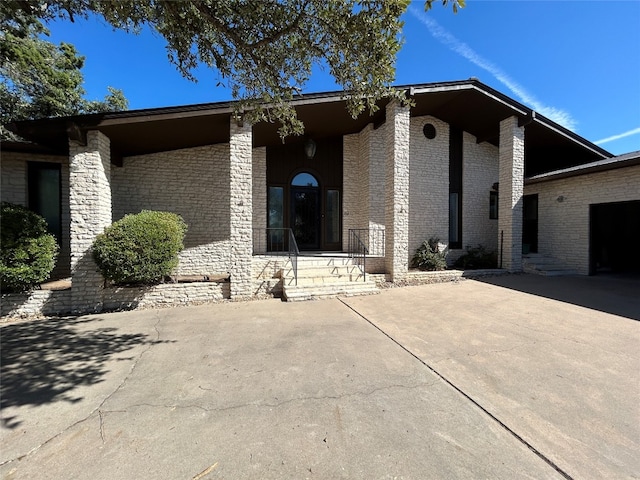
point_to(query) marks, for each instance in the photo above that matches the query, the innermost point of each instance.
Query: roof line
(620, 161)
(141, 115)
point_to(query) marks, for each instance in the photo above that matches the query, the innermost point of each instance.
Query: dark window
(493, 205)
(455, 188)
(45, 194)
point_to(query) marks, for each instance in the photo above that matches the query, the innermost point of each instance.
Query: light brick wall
(193, 183)
(377, 172)
(90, 207)
(397, 140)
(479, 173)
(511, 168)
(13, 172)
(364, 184)
(240, 209)
(428, 183)
(563, 227)
(352, 187)
(260, 187)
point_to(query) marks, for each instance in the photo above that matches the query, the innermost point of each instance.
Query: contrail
(462, 49)
(635, 131)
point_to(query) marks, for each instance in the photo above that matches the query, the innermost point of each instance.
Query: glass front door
(305, 217)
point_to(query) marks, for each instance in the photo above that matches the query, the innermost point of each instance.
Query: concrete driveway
(458, 380)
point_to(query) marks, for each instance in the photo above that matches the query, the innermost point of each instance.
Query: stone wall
(397, 141)
(90, 209)
(193, 183)
(428, 183)
(240, 208)
(35, 304)
(563, 227)
(41, 303)
(479, 173)
(511, 168)
(165, 295)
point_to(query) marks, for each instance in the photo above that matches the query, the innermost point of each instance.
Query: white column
(511, 158)
(241, 211)
(397, 191)
(90, 211)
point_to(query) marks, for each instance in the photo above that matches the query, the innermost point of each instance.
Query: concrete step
(323, 261)
(310, 270)
(307, 292)
(541, 264)
(324, 279)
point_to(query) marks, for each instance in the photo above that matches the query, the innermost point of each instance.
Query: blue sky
(577, 62)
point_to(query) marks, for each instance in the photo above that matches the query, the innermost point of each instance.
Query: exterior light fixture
(310, 148)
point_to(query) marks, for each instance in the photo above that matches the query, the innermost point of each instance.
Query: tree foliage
(38, 78)
(264, 50)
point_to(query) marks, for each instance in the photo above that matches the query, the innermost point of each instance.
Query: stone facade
(36, 303)
(241, 208)
(193, 183)
(511, 168)
(395, 180)
(397, 140)
(428, 183)
(479, 173)
(90, 207)
(563, 227)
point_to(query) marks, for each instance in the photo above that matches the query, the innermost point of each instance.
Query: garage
(614, 243)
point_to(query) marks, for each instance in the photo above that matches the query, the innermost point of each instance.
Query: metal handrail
(293, 254)
(358, 250)
(279, 242)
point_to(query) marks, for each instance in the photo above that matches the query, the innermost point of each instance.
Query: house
(464, 163)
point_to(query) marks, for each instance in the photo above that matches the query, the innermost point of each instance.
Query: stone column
(90, 211)
(397, 191)
(511, 158)
(240, 211)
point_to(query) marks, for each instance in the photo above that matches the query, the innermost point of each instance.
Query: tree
(264, 50)
(40, 79)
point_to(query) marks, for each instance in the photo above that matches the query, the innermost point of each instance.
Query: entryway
(305, 194)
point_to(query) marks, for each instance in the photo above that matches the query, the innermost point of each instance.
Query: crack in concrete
(97, 409)
(278, 404)
(524, 442)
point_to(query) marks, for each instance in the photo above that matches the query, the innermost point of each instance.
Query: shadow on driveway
(44, 361)
(615, 294)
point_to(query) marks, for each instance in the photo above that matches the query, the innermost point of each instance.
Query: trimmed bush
(28, 251)
(477, 258)
(429, 256)
(141, 248)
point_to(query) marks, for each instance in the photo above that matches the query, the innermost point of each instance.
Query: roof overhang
(622, 161)
(469, 105)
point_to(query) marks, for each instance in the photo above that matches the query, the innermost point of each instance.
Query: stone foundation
(42, 303)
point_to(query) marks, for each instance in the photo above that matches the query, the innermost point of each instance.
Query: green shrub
(141, 248)
(477, 258)
(28, 251)
(429, 256)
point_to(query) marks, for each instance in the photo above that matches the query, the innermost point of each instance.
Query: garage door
(615, 237)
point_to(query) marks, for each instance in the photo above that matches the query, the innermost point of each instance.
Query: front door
(305, 216)
(305, 195)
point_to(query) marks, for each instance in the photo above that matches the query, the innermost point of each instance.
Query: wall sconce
(560, 199)
(310, 148)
